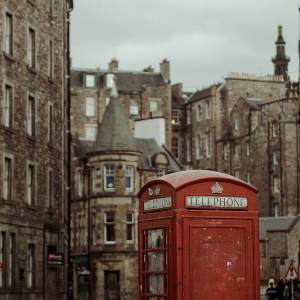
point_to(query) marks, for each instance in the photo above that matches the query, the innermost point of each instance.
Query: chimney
(149, 69)
(165, 70)
(113, 65)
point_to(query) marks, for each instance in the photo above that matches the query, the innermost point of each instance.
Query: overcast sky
(203, 39)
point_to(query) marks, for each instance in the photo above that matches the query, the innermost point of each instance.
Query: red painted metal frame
(178, 219)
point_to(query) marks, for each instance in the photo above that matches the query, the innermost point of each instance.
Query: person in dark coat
(271, 292)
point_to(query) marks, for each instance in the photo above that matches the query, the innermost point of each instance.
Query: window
(90, 132)
(2, 258)
(79, 185)
(7, 179)
(199, 112)
(226, 151)
(188, 151)
(247, 148)
(248, 178)
(134, 108)
(110, 80)
(109, 177)
(107, 101)
(30, 184)
(274, 129)
(175, 117)
(197, 147)
(237, 151)
(51, 7)
(89, 80)
(129, 178)
(161, 172)
(50, 188)
(90, 106)
(153, 106)
(94, 180)
(207, 146)
(275, 159)
(93, 225)
(50, 59)
(50, 123)
(31, 48)
(8, 34)
(236, 124)
(109, 227)
(11, 260)
(8, 106)
(30, 265)
(237, 173)
(276, 184)
(31, 116)
(207, 110)
(130, 227)
(81, 223)
(175, 146)
(188, 116)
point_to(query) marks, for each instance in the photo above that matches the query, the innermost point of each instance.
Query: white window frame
(134, 108)
(226, 149)
(197, 147)
(11, 260)
(129, 173)
(79, 182)
(7, 193)
(248, 148)
(130, 225)
(248, 177)
(154, 105)
(199, 112)
(8, 33)
(90, 80)
(109, 171)
(237, 149)
(109, 223)
(237, 173)
(188, 116)
(207, 110)
(236, 124)
(109, 80)
(90, 106)
(274, 129)
(276, 184)
(275, 158)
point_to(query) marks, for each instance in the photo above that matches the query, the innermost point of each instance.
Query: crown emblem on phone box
(217, 188)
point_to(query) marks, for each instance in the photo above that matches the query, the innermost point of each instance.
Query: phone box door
(216, 255)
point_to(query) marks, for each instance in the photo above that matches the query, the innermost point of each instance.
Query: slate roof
(275, 224)
(127, 81)
(114, 133)
(198, 95)
(149, 147)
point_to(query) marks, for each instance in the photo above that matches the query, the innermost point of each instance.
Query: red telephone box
(198, 238)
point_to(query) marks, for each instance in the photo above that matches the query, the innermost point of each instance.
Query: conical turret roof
(280, 39)
(114, 133)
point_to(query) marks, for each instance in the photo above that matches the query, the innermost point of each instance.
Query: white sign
(216, 201)
(159, 203)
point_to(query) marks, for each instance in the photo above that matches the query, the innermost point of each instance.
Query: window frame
(8, 105)
(30, 274)
(31, 116)
(129, 173)
(11, 259)
(8, 34)
(50, 194)
(32, 175)
(88, 136)
(90, 80)
(175, 116)
(130, 227)
(107, 173)
(51, 58)
(90, 108)
(8, 195)
(106, 225)
(50, 122)
(31, 47)
(175, 146)
(2, 259)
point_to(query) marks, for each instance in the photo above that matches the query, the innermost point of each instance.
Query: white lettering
(159, 203)
(209, 201)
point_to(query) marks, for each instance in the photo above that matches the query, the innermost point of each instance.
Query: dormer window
(89, 80)
(153, 106)
(109, 177)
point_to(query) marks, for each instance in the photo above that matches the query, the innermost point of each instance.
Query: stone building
(34, 98)
(279, 241)
(246, 126)
(146, 96)
(108, 173)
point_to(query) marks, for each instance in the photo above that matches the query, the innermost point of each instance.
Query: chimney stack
(113, 65)
(149, 69)
(165, 70)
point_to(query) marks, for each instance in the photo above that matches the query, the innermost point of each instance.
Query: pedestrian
(286, 295)
(271, 292)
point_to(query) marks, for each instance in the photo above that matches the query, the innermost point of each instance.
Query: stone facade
(33, 216)
(145, 94)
